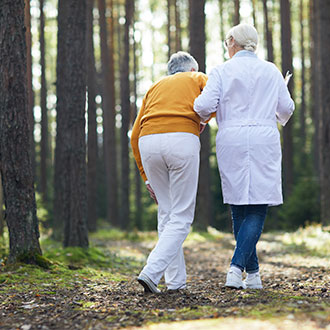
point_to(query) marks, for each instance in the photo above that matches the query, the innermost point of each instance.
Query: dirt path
(296, 294)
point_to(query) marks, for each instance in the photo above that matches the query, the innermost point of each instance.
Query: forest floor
(97, 288)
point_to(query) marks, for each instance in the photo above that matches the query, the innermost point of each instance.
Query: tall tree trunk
(125, 118)
(314, 85)
(92, 127)
(15, 143)
(253, 3)
(222, 30)
(44, 150)
(268, 34)
(303, 82)
(138, 195)
(169, 23)
(30, 98)
(197, 49)
(323, 79)
(2, 222)
(178, 40)
(286, 56)
(236, 13)
(70, 152)
(108, 104)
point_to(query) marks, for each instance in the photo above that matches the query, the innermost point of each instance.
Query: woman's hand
(151, 193)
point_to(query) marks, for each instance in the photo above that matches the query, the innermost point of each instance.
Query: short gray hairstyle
(245, 35)
(181, 62)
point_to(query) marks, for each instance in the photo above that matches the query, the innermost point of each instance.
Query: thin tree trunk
(323, 72)
(303, 82)
(138, 195)
(268, 34)
(253, 3)
(92, 127)
(222, 30)
(2, 222)
(125, 118)
(197, 49)
(30, 99)
(44, 150)
(314, 85)
(108, 96)
(287, 65)
(236, 13)
(70, 152)
(178, 40)
(169, 22)
(15, 142)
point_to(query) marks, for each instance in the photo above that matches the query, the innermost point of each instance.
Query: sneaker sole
(147, 288)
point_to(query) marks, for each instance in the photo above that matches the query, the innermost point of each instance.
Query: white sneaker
(149, 286)
(234, 281)
(253, 282)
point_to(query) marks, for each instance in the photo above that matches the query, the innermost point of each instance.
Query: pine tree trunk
(125, 118)
(314, 85)
(70, 152)
(222, 30)
(287, 65)
(178, 40)
(253, 4)
(30, 99)
(236, 13)
(268, 33)
(15, 143)
(2, 221)
(108, 104)
(44, 150)
(138, 194)
(92, 127)
(197, 49)
(323, 79)
(303, 82)
(169, 38)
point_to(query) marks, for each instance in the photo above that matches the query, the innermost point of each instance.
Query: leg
(182, 174)
(250, 230)
(175, 274)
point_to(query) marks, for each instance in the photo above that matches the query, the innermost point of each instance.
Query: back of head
(181, 62)
(245, 35)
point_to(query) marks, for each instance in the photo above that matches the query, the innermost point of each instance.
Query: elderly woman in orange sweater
(165, 143)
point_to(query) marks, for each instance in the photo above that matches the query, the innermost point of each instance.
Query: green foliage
(301, 207)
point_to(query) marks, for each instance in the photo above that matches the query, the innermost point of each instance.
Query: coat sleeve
(207, 103)
(285, 105)
(135, 140)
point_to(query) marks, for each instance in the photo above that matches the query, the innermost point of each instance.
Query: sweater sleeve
(135, 140)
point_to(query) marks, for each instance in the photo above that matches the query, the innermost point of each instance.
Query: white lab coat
(249, 96)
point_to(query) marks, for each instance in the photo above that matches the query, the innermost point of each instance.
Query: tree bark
(197, 49)
(236, 13)
(169, 22)
(30, 98)
(222, 31)
(268, 33)
(253, 4)
(44, 149)
(70, 152)
(178, 39)
(323, 71)
(303, 80)
(15, 143)
(108, 104)
(286, 56)
(125, 118)
(2, 222)
(92, 155)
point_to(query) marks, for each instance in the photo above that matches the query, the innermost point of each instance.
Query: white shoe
(253, 282)
(148, 285)
(234, 281)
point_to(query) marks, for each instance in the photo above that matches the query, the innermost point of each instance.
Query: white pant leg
(171, 163)
(175, 273)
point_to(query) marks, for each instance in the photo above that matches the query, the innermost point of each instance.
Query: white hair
(181, 62)
(245, 35)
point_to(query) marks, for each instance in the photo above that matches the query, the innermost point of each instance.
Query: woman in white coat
(249, 97)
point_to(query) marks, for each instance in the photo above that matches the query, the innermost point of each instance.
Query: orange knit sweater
(168, 107)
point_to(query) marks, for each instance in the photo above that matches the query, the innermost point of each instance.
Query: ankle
(252, 275)
(236, 270)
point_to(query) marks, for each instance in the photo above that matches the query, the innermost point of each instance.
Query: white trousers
(171, 163)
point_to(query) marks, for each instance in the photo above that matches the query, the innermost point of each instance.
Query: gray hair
(181, 62)
(245, 35)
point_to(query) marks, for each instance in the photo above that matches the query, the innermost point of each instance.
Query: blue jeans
(248, 222)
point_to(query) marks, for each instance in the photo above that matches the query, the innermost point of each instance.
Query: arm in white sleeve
(285, 106)
(207, 102)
